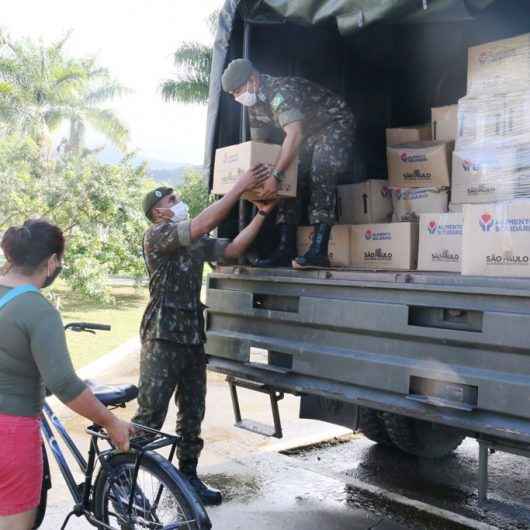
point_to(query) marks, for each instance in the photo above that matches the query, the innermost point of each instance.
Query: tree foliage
(41, 88)
(193, 61)
(194, 192)
(97, 205)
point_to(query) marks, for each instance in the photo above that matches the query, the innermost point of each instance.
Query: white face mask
(180, 212)
(247, 99)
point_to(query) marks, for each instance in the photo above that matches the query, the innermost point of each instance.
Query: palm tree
(41, 88)
(193, 61)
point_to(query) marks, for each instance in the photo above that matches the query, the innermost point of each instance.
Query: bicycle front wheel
(158, 499)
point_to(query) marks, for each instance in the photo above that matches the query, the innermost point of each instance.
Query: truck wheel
(372, 425)
(422, 438)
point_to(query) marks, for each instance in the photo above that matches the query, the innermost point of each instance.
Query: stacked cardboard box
(419, 173)
(491, 162)
(492, 157)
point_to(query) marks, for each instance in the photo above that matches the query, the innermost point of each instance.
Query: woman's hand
(120, 432)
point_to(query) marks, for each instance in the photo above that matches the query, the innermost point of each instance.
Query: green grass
(123, 316)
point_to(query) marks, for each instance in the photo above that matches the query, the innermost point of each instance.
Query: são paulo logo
(412, 158)
(469, 165)
(432, 226)
(368, 235)
(486, 222)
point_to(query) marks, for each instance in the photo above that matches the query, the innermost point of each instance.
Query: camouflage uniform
(172, 333)
(326, 152)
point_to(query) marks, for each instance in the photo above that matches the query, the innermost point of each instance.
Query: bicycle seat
(111, 395)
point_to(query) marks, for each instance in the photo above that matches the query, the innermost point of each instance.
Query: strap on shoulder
(15, 292)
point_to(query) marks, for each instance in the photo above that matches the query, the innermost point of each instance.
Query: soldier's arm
(212, 216)
(246, 237)
(290, 147)
(294, 135)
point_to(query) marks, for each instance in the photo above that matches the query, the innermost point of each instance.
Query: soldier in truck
(319, 128)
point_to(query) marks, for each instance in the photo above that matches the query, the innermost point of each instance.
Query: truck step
(253, 426)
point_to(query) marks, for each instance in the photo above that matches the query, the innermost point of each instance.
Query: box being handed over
(440, 246)
(497, 239)
(419, 164)
(338, 248)
(384, 246)
(366, 202)
(231, 162)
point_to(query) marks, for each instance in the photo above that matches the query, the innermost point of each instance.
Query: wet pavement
(450, 484)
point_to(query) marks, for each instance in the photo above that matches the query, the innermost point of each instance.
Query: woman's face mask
(180, 212)
(52, 277)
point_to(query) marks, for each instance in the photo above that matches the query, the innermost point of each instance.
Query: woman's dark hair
(27, 246)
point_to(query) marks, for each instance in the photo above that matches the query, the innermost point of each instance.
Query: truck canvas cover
(350, 16)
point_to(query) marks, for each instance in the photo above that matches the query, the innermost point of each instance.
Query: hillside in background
(162, 171)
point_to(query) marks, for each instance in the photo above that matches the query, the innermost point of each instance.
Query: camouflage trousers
(166, 368)
(324, 158)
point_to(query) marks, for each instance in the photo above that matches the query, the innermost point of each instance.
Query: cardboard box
(363, 203)
(406, 135)
(456, 208)
(440, 247)
(338, 248)
(485, 175)
(419, 165)
(409, 203)
(497, 239)
(444, 123)
(384, 246)
(500, 66)
(497, 120)
(231, 162)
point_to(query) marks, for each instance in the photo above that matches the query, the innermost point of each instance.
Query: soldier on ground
(319, 127)
(172, 330)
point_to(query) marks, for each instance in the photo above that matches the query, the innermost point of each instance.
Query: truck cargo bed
(435, 346)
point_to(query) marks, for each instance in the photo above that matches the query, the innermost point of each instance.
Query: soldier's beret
(237, 73)
(153, 197)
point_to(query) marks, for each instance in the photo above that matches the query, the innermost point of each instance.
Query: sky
(135, 40)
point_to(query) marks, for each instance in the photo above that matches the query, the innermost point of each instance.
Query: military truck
(414, 360)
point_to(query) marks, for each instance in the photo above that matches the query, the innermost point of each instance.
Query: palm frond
(105, 93)
(185, 91)
(106, 122)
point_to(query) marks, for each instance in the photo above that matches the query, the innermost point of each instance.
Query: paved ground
(232, 456)
(269, 485)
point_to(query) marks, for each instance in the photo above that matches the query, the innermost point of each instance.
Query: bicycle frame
(81, 494)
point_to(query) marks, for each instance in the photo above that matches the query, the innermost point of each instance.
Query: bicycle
(138, 489)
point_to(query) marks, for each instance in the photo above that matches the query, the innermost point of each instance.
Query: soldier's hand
(269, 190)
(255, 177)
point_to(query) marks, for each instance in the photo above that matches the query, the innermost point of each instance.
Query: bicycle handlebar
(86, 326)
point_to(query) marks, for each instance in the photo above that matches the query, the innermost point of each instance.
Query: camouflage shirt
(284, 100)
(175, 264)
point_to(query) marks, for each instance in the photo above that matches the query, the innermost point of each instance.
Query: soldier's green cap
(237, 73)
(153, 197)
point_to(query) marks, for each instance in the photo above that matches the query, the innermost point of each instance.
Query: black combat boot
(209, 496)
(285, 251)
(317, 255)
